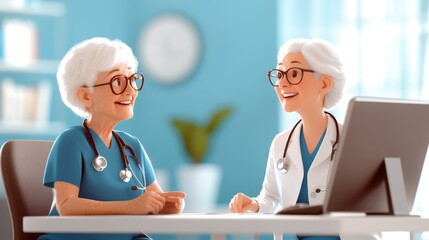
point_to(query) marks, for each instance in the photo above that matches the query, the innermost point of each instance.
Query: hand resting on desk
(154, 202)
(241, 203)
(174, 202)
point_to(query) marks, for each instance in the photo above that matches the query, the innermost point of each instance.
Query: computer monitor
(376, 133)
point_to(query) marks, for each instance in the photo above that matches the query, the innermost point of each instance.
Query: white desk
(218, 225)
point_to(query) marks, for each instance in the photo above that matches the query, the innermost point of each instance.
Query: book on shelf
(25, 104)
(20, 42)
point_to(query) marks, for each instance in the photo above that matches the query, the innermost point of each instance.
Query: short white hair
(323, 57)
(84, 61)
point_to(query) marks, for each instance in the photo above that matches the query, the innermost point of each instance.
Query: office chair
(22, 168)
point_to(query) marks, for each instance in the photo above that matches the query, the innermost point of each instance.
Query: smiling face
(306, 96)
(105, 106)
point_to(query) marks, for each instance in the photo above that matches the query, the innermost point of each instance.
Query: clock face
(169, 48)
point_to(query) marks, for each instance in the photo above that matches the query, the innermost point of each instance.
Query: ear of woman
(83, 95)
(327, 83)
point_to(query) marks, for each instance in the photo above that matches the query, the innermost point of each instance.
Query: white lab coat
(281, 190)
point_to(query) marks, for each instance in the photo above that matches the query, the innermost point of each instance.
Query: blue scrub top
(307, 160)
(70, 160)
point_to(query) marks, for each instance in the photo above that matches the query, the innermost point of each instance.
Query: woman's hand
(174, 202)
(150, 202)
(241, 203)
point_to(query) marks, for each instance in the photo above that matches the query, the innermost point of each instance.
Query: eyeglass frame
(127, 82)
(284, 75)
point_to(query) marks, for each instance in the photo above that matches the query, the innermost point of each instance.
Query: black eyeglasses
(119, 83)
(293, 75)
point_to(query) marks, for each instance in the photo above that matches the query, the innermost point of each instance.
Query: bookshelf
(39, 67)
(27, 83)
(38, 8)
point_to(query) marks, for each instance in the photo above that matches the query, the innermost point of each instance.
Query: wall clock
(169, 48)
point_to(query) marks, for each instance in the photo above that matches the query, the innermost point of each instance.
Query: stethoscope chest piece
(283, 164)
(99, 163)
(125, 175)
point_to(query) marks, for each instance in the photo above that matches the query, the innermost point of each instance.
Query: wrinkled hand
(150, 202)
(241, 203)
(174, 202)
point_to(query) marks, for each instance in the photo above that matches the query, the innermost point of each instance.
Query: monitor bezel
(369, 193)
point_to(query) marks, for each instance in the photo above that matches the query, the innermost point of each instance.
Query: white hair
(323, 57)
(84, 61)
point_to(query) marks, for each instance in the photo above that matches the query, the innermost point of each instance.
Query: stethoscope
(283, 164)
(100, 163)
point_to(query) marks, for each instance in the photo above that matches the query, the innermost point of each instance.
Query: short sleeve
(148, 168)
(64, 161)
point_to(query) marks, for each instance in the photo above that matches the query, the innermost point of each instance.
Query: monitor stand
(396, 187)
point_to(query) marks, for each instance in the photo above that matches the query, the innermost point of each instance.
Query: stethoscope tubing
(334, 146)
(122, 146)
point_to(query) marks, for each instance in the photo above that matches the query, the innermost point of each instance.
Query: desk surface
(227, 223)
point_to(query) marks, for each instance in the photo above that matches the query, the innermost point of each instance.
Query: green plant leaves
(217, 118)
(196, 137)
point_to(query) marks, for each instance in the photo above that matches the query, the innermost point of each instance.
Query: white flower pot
(201, 184)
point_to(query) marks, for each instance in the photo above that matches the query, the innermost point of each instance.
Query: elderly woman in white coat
(308, 78)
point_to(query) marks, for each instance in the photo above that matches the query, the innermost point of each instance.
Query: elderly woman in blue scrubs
(308, 79)
(92, 168)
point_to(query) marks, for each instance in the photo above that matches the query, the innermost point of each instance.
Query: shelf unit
(39, 67)
(39, 8)
(55, 10)
(21, 128)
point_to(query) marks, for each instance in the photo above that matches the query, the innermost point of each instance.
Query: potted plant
(199, 180)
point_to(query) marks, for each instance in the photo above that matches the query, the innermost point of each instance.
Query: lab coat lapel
(294, 150)
(325, 149)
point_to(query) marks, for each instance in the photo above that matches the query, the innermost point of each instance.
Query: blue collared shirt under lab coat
(282, 190)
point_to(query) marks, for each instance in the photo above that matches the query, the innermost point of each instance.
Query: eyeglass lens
(293, 76)
(119, 83)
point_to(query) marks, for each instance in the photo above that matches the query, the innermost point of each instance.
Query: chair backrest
(22, 167)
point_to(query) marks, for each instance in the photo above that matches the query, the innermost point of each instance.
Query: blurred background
(384, 45)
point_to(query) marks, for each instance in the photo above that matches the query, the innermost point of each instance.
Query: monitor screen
(375, 129)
